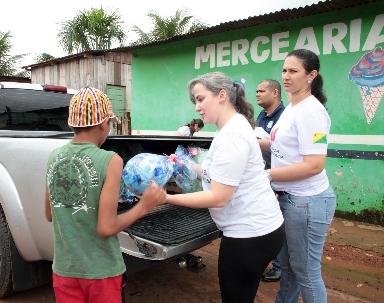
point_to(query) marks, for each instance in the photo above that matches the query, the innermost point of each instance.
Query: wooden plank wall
(95, 71)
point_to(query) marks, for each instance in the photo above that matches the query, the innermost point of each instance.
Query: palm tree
(8, 62)
(91, 30)
(167, 27)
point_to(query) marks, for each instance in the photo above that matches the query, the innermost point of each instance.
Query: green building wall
(355, 165)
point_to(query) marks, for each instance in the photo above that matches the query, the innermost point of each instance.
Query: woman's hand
(217, 196)
(197, 169)
(265, 145)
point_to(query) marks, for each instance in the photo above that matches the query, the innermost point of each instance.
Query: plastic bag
(144, 168)
(198, 154)
(184, 171)
(126, 197)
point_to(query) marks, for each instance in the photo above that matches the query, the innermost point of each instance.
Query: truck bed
(168, 230)
(173, 225)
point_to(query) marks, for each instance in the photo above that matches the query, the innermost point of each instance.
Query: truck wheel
(6, 287)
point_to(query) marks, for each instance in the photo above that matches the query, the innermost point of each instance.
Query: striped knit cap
(89, 107)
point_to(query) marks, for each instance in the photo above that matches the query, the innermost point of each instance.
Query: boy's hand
(153, 196)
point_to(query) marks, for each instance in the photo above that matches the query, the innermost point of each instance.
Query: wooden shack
(109, 71)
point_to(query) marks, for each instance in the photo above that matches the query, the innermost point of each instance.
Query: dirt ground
(351, 274)
(353, 270)
(353, 260)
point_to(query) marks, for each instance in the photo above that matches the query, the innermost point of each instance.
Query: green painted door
(117, 96)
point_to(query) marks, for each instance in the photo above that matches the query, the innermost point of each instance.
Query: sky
(34, 24)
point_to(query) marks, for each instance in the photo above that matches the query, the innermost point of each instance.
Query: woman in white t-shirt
(298, 144)
(189, 129)
(236, 188)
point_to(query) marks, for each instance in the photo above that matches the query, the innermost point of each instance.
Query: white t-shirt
(302, 130)
(184, 130)
(234, 159)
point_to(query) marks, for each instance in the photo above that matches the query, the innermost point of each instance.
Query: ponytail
(199, 122)
(317, 89)
(242, 106)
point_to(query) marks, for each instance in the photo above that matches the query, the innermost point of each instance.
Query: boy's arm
(109, 223)
(48, 212)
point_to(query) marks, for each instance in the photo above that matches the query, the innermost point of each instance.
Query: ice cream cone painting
(368, 74)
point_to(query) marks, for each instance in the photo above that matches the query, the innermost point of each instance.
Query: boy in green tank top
(83, 183)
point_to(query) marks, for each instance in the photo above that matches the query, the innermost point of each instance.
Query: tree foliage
(167, 27)
(7, 61)
(91, 30)
(43, 57)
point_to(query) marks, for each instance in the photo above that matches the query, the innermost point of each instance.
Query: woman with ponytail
(298, 145)
(236, 188)
(189, 129)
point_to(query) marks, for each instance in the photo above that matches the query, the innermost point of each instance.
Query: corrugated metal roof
(68, 58)
(284, 14)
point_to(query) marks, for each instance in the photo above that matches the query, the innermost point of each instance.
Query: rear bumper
(146, 249)
(167, 232)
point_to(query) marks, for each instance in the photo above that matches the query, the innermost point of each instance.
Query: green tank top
(75, 177)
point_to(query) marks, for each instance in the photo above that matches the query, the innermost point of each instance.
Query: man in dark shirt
(268, 96)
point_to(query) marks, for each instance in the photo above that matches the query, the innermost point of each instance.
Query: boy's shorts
(80, 290)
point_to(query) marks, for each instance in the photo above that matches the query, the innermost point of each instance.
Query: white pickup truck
(32, 124)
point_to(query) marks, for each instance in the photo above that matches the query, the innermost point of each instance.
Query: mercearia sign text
(337, 37)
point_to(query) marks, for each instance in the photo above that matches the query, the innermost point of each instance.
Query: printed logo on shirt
(270, 124)
(276, 153)
(69, 178)
(273, 134)
(319, 138)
